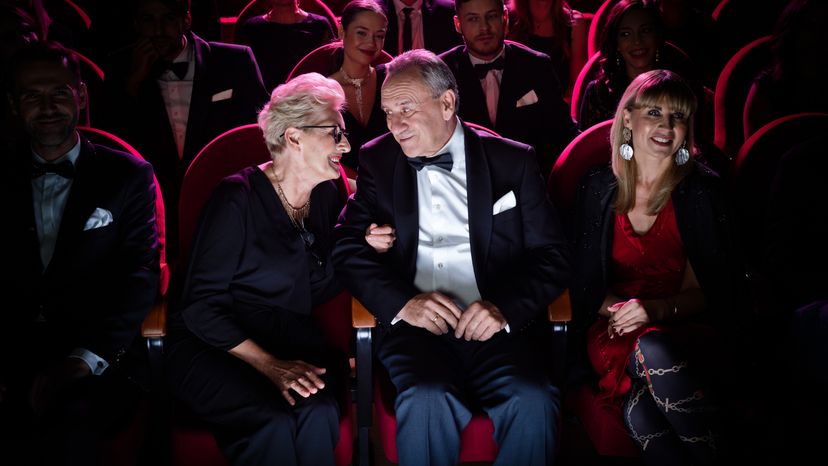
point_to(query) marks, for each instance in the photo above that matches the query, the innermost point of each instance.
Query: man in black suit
(83, 271)
(477, 256)
(171, 93)
(507, 87)
(429, 26)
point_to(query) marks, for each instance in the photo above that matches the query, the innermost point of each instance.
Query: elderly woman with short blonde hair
(244, 353)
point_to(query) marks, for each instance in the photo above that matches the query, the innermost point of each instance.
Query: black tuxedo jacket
(520, 256)
(545, 125)
(143, 121)
(439, 34)
(101, 282)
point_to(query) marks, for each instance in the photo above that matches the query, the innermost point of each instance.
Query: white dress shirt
(417, 39)
(491, 85)
(177, 94)
(49, 195)
(444, 261)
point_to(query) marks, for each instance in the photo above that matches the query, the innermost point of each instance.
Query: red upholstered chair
(476, 441)
(753, 173)
(226, 154)
(732, 89)
(596, 27)
(140, 432)
(260, 7)
(602, 422)
(322, 60)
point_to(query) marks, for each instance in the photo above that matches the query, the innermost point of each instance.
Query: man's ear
(12, 103)
(188, 20)
(448, 103)
(457, 25)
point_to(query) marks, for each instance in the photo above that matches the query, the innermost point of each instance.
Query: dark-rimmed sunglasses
(337, 134)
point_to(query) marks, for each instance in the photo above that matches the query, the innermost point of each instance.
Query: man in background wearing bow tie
(171, 93)
(82, 272)
(477, 256)
(508, 87)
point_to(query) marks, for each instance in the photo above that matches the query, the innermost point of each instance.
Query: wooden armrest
(155, 324)
(560, 310)
(360, 317)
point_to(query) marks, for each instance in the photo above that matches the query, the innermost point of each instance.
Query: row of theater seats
(181, 440)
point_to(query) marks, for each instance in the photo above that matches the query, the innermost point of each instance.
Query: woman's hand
(299, 376)
(626, 316)
(381, 238)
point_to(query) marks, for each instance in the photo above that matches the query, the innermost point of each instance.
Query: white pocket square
(505, 203)
(528, 99)
(99, 218)
(223, 95)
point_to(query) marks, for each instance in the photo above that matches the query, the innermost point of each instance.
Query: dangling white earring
(626, 149)
(682, 155)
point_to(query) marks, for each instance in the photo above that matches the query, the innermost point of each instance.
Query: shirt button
(437, 206)
(439, 239)
(440, 265)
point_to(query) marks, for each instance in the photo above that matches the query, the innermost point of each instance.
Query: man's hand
(49, 383)
(381, 238)
(480, 321)
(433, 311)
(144, 56)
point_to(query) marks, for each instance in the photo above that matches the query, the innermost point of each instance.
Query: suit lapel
(199, 100)
(479, 195)
(406, 213)
(473, 99)
(80, 204)
(509, 88)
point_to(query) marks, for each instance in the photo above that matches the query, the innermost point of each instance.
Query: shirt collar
(477, 61)
(399, 5)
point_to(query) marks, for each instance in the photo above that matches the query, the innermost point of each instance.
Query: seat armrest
(560, 310)
(361, 317)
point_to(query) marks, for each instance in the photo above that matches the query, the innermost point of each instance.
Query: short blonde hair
(299, 102)
(646, 90)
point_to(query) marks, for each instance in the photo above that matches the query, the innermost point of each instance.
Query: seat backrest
(260, 7)
(597, 26)
(322, 60)
(731, 91)
(228, 153)
(755, 167)
(588, 150)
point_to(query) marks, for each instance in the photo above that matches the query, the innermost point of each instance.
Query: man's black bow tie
(64, 169)
(443, 161)
(180, 68)
(482, 69)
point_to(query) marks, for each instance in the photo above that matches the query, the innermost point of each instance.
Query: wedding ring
(435, 318)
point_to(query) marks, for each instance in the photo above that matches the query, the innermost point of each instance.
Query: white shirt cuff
(96, 364)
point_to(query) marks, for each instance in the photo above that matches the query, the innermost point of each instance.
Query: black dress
(252, 276)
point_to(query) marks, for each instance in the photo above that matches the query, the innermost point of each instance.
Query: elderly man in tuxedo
(476, 253)
(83, 272)
(508, 87)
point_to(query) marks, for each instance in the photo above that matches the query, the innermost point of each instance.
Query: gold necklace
(357, 84)
(297, 215)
